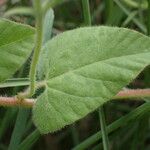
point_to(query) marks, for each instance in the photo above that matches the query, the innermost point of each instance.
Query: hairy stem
(38, 45)
(138, 93)
(126, 94)
(13, 101)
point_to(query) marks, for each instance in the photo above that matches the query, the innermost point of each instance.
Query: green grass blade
(29, 141)
(108, 11)
(86, 12)
(134, 4)
(75, 135)
(103, 129)
(15, 82)
(129, 18)
(135, 114)
(148, 18)
(6, 121)
(18, 131)
(98, 11)
(127, 12)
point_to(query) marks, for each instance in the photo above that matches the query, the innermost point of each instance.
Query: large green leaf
(87, 67)
(16, 44)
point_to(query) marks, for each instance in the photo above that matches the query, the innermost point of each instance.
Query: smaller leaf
(16, 44)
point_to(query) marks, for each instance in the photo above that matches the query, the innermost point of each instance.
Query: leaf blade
(16, 44)
(88, 66)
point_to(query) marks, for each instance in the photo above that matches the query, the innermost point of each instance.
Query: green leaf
(47, 29)
(16, 44)
(48, 25)
(88, 67)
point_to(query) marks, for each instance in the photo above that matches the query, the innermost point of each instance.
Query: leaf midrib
(92, 64)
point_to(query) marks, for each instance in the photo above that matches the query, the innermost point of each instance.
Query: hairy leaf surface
(16, 44)
(87, 67)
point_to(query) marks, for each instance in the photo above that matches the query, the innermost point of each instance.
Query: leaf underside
(47, 29)
(16, 44)
(86, 68)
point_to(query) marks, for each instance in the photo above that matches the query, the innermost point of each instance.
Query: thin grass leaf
(19, 128)
(103, 129)
(29, 141)
(127, 12)
(132, 116)
(86, 12)
(15, 82)
(7, 121)
(129, 18)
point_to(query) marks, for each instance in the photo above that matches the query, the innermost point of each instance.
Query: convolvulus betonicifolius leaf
(16, 44)
(87, 67)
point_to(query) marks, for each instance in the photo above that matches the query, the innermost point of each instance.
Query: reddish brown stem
(138, 93)
(125, 94)
(13, 101)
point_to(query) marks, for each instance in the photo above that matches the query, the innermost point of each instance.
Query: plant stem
(148, 18)
(38, 45)
(127, 94)
(13, 101)
(86, 12)
(103, 129)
